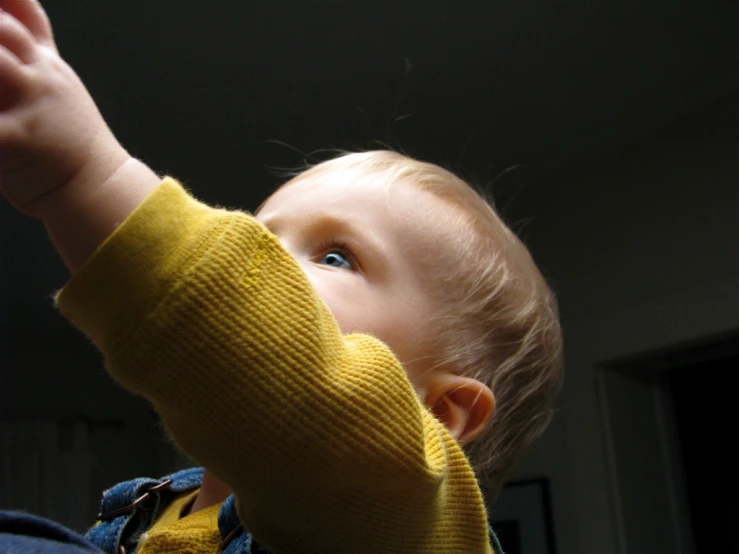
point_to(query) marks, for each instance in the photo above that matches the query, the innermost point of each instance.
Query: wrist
(83, 213)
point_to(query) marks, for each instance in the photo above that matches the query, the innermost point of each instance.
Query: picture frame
(522, 517)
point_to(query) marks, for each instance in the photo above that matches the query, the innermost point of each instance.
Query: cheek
(340, 296)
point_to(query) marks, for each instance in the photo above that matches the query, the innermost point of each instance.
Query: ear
(464, 405)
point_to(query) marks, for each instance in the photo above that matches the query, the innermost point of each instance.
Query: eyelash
(343, 248)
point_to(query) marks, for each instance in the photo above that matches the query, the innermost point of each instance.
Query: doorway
(705, 397)
(671, 421)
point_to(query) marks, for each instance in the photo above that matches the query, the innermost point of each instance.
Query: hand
(51, 132)
(59, 161)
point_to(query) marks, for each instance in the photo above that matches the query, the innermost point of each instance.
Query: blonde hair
(499, 320)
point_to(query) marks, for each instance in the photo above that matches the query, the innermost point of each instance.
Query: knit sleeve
(320, 435)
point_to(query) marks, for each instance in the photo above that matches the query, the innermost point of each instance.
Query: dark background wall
(608, 134)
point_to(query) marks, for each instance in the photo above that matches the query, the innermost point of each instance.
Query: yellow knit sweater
(320, 435)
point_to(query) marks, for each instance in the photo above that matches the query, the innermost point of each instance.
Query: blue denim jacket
(129, 509)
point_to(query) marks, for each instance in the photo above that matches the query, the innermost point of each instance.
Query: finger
(13, 81)
(32, 16)
(16, 38)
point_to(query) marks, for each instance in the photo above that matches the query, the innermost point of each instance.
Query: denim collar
(129, 509)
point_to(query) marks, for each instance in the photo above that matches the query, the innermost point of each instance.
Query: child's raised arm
(321, 437)
(59, 161)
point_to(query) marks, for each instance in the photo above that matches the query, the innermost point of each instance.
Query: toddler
(339, 362)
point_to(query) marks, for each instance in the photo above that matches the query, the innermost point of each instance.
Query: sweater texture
(320, 435)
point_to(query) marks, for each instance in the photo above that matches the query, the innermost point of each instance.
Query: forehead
(366, 200)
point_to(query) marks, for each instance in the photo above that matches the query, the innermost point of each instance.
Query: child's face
(359, 242)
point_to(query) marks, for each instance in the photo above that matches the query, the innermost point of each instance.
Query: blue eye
(335, 259)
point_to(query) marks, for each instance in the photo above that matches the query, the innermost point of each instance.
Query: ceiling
(221, 93)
